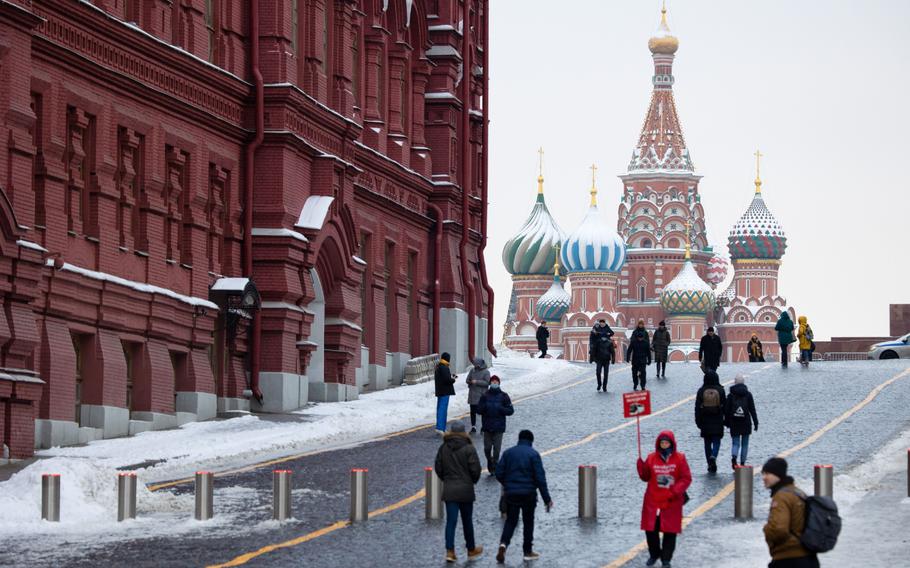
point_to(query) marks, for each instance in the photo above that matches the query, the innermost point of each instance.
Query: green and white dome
(687, 294)
(533, 249)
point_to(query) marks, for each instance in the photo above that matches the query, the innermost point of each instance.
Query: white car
(895, 349)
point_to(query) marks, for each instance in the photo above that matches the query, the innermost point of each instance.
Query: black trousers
(661, 368)
(473, 415)
(639, 374)
(784, 355)
(804, 562)
(543, 351)
(603, 368)
(655, 549)
(524, 504)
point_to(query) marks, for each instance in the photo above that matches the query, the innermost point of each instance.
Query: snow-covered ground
(88, 492)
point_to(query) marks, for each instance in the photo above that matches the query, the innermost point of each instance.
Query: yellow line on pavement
(725, 492)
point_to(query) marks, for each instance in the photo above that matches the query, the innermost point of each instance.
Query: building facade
(233, 205)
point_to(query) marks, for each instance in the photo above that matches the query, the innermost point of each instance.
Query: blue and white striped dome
(554, 303)
(593, 246)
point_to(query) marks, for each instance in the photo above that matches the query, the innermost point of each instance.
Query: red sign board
(637, 403)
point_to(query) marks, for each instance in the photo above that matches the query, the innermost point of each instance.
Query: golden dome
(663, 41)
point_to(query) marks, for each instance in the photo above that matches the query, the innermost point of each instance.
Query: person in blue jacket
(494, 406)
(520, 471)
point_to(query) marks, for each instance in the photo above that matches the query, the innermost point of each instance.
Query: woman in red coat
(667, 474)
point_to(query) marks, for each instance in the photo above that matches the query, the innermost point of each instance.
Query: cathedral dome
(663, 42)
(717, 270)
(593, 246)
(532, 250)
(687, 294)
(555, 302)
(757, 235)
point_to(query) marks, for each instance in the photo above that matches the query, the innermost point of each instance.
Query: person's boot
(712, 465)
(474, 553)
(651, 562)
(734, 462)
(531, 555)
(501, 555)
(450, 556)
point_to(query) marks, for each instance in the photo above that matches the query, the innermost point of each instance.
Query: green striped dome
(533, 249)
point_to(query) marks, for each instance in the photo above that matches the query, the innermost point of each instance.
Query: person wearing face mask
(602, 352)
(667, 474)
(660, 344)
(494, 406)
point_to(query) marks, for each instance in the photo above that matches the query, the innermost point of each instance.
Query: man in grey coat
(478, 383)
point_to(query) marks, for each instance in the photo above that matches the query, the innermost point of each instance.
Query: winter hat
(495, 378)
(740, 379)
(445, 357)
(457, 427)
(662, 323)
(776, 466)
(711, 328)
(526, 435)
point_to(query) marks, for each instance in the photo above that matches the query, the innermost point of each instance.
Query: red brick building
(208, 202)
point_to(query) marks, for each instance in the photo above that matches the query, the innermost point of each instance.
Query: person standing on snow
(710, 350)
(478, 382)
(445, 387)
(739, 414)
(660, 344)
(805, 337)
(543, 336)
(494, 406)
(784, 330)
(521, 473)
(756, 351)
(639, 354)
(786, 519)
(709, 417)
(458, 466)
(601, 351)
(667, 474)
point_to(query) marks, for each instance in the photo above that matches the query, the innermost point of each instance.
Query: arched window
(646, 243)
(673, 243)
(642, 293)
(356, 67)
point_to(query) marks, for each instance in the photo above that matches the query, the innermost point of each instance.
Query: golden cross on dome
(556, 264)
(688, 240)
(540, 171)
(758, 156)
(593, 185)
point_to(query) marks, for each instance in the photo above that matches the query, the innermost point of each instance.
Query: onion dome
(687, 294)
(725, 299)
(593, 246)
(555, 302)
(533, 250)
(757, 235)
(717, 270)
(663, 42)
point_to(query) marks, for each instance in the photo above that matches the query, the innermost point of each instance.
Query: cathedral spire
(593, 185)
(540, 172)
(758, 156)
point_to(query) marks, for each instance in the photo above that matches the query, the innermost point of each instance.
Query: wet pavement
(573, 426)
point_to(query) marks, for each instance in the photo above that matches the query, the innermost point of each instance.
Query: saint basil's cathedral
(657, 265)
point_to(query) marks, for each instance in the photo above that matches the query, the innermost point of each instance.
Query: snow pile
(88, 473)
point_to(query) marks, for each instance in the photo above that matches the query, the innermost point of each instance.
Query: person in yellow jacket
(805, 336)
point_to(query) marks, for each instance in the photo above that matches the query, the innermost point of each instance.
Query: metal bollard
(205, 493)
(433, 490)
(281, 494)
(587, 491)
(359, 503)
(50, 497)
(824, 481)
(126, 496)
(742, 503)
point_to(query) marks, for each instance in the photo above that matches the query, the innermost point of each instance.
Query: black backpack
(823, 524)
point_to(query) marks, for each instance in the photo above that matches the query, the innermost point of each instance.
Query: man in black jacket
(458, 466)
(601, 351)
(445, 387)
(639, 354)
(709, 416)
(710, 350)
(543, 335)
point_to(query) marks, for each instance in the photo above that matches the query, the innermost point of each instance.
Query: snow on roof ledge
(265, 232)
(231, 284)
(312, 216)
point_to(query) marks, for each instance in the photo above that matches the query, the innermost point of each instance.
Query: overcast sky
(821, 87)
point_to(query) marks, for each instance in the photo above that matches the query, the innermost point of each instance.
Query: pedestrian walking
(521, 473)
(667, 474)
(543, 337)
(806, 343)
(639, 353)
(660, 344)
(458, 466)
(601, 351)
(709, 417)
(739, 415)
(709, 351)
(494, 406)
(445, 387)
(756, 351)
(478, 383)
(786, 519)
(784, 330)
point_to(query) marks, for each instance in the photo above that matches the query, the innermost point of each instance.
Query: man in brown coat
(786, 519)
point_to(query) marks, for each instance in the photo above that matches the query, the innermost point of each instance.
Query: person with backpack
(786, 519)
(710, 350)
(806, 343)
(739, 414)
(667, 474)
(709, 417)
(784, 330)
(444, 388)
(478, 383)
(639, 354)
(601, 351)
(660, 344)
(755, 349)
(521, 473)
(543, 336)
(458, 466)
(494, 406)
